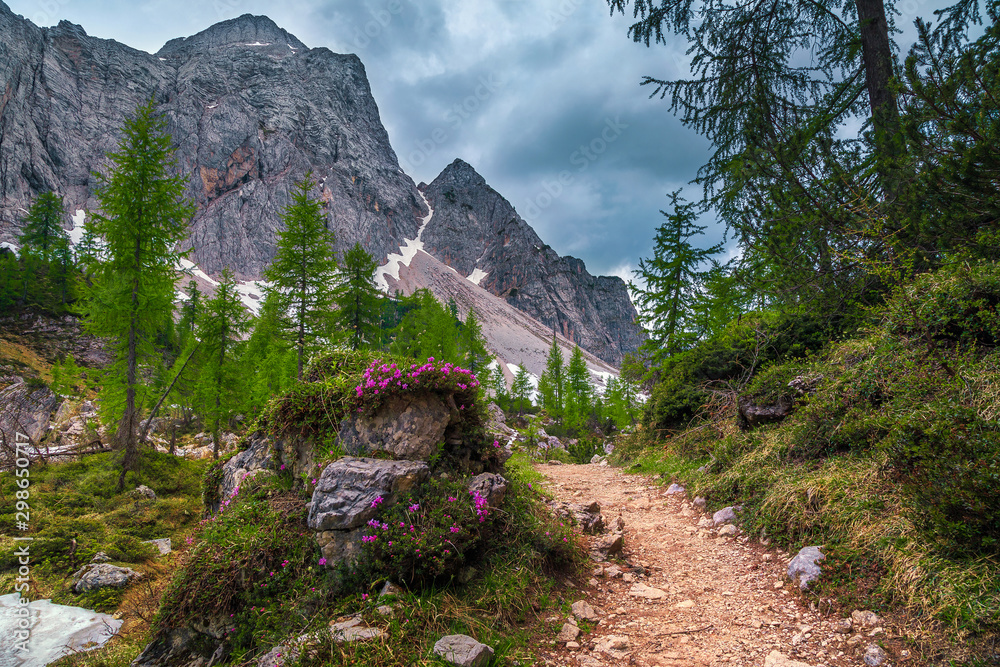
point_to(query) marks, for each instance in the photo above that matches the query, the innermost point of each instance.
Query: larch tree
(304, 271)
(520, 391)
(223, 323)
(551, 386)
(358, 299)
(143, 215)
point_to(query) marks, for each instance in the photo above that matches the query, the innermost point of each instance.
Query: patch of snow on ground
(10, 246)
(192, 268)
(406, 253)
(532, 379)
(252, 295)
(260, 44)
(477, 276)
(76, 234)
(56, 630)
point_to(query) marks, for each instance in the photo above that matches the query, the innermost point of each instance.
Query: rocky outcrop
(251, 110)
(478, 233)
(25, 412)
(407, 427)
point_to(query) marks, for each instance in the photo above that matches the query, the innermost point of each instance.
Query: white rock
(463, 651)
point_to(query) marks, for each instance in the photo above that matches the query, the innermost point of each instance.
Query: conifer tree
(304, 271)
(268, 356)
(579, 391)
(42, 233)
(497, 383)
(551, 384)
(10, 280)
(190, 311)
(358, 299)
(521, 389)
(143, 216)
(672, 278)
(473, 346)
(222, 326)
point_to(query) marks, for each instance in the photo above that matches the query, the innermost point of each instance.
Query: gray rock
(406, 427)
(675, 489)
(490, 486)
(723, 516)
(256, 458)
(699, 502)
(463, 651)
(101, 575)
(729, 530)
(606, 546)
(865, 619)
(25, 409)
(568, 633)
(874, 655)
(345, 496)
(587, 515)
(803, 569)
(340, 545)
(100, 557)
(843, 626)
(583, 611)
(752, 415)
(805, 384)
(596, 458)
(162, 545)
(353, 630)
(474, 227)
(390, 589)
(143, 491)
(778, 659)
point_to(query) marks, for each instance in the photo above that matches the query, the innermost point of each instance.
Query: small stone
(463, 651)
(648, 592)
(607, 545)
(614, 645)
(723, 516)
(385, 610)
(705, 522)
(729, 530)
(675, 490)
(803, 569)
(779, 584)
(843, 626)
(582, 610)
(628, 578)
(865, 619)
(699, 502)
(572, 646)
(777, 659)
(100, 557)
(143, 491)
(568, 633)
(874, 655)
(162, 545)
(685, 604)
(390, 589)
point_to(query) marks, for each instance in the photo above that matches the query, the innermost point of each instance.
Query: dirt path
(727, 600)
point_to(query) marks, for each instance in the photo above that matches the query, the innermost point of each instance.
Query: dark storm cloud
(541, 96)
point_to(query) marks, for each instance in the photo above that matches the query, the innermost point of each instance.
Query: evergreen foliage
(520, 392)
(143, 216)
(304, 272)
(472, 345)
(358, 299)
(551, 384)
(579, 391)
(42, 232)
(268, 357)
(221, 329)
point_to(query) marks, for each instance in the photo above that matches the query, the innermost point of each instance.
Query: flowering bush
(427, 535)
(381, 380)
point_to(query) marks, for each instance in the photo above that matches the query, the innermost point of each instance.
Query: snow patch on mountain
(406, 253)
(477, 276)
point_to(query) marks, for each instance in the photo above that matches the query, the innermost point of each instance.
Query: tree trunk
(125, 435)
(876, 52)
(218, 397)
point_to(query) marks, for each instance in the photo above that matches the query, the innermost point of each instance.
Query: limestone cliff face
(475, 230)
(251, 110)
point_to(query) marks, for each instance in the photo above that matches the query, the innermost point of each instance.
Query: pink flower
(322, 561)
(377, 501)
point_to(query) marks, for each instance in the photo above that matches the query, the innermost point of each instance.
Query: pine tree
(672, 278)
(497, 383)
(579, 391)
(521, 390)
(551, 385)
(304, 271)
(268, 356)
(358, 299)
(222, 326)
(429, 329)
(144, 215)
(10, 280)
(190, 312)
(473, 346)
(42, 232)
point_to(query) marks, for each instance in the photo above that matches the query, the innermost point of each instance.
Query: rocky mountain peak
(244, 31)
(461, 174)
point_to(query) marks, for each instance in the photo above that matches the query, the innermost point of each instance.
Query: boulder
(803, 569)
(675, 489)
(101, 575)
(752, 415)
(463, 651)
(724, 516)
(143, 491)
(582, 610)
(490, 486)
(257, 457)
(407, 427)
(25, 409)
(346, 495)
(339, 545)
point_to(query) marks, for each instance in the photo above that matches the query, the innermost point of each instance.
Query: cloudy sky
(542, 97)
